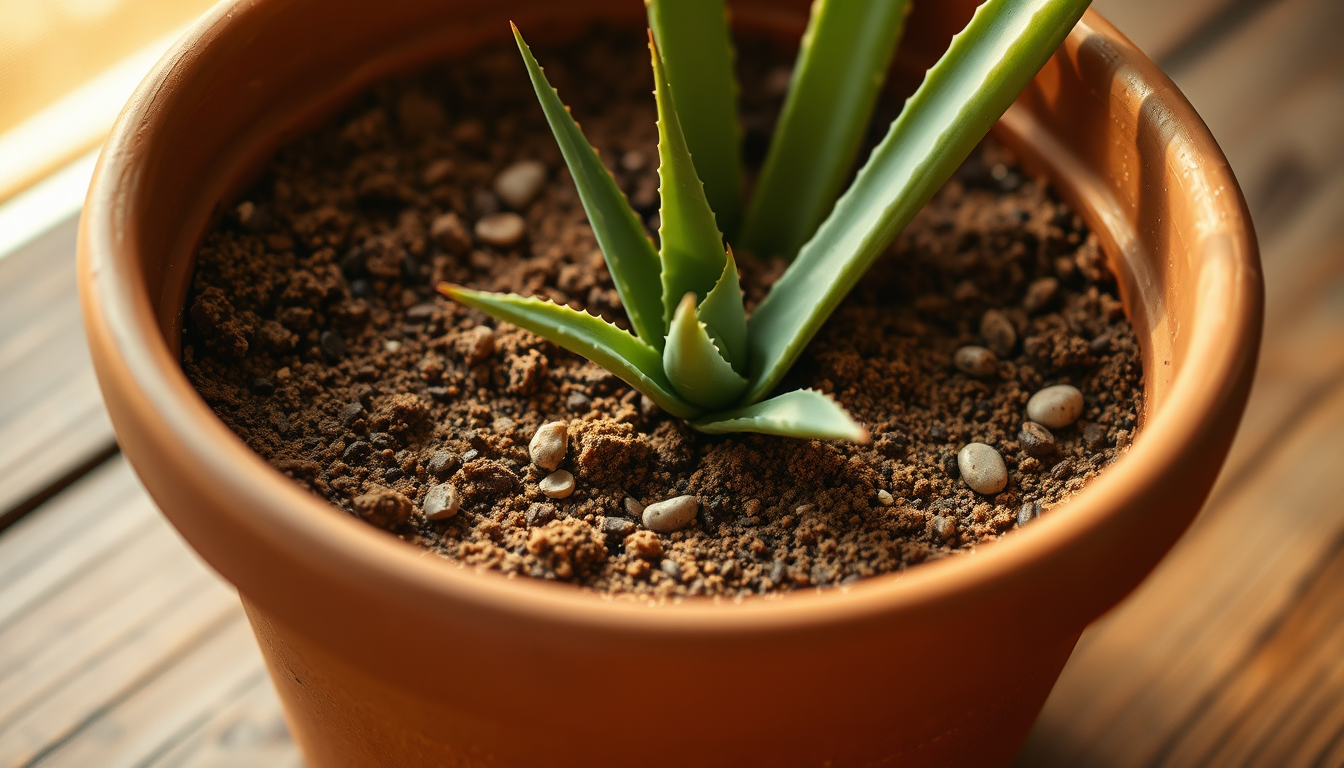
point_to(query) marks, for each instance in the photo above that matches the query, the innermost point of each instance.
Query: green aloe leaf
(800, 413)
(725, 318)
(841, 66)
(634, 361)
(691, 246)
(987, 65)
(630, 256)
(693, 364)
(698, 52)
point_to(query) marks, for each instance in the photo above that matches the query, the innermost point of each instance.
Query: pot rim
(134, 358)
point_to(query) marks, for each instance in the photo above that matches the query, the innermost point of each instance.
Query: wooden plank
(176, 704)
(52, 422)
(247, 732)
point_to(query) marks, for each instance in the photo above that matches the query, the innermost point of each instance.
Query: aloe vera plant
(693, 350)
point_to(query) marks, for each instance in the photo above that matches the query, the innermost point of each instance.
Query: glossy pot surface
(385, 657)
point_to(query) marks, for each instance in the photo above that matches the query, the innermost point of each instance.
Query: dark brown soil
(314, 332)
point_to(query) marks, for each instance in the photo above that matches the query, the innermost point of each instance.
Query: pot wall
(383, 657)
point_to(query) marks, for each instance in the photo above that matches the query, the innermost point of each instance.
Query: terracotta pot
(384, 657)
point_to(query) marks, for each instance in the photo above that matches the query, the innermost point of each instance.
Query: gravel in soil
(313, 330)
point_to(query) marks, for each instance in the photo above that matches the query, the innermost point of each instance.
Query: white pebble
(670, 515)
(549, 444)
(885, 499)
(500, 229)
(518, 184)
(1056, 407)
(557, 485)
(982, 468)
(392, 346)
(976, 361)
(441, 502)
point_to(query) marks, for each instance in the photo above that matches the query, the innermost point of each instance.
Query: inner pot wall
(384, 657)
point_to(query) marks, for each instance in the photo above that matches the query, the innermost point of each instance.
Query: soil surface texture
(314, 331)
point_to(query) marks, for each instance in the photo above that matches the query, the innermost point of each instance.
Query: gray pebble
(549, 444)
(998, 332)
(441, 463)
(539, 514)
(518, 184)
(355, 452)
(885, 499)
(351, 412)
(632, 507)
(976, 361)
(1056, 407)
(617, 528)
(1100, 345)
(441, 502)
(502, 230)
(671, 568)
(471, 455)
(944, 528)
(982, 468)
(1039, 294)
(333, 346)
(670, 515)
(1029, 511)
(1062, 470)
(557, 485)
(1035, 439)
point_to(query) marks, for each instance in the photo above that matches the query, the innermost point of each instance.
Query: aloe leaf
(693, 364)
(841, 66)
(630, 256)
(800, 413)
(724, 316)
(691, 246)
(987, 65)
(632, 360)
(698, 52)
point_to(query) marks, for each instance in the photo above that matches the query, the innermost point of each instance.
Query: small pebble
(1056, 407)
(1035, 439)
(476, 344)
(885, 499)
(450, 233)
(1039, 294)
(519, 184)
(538, 515)
(549, 444)
(441, 502)
(632, 507)
(670, 515)
(502, 230)
(944, 528)
(671, 568)
(558, 485)
(976, 361)
(1094, 436)
(1029, 511)
(355, 452)
(441, 463)
(333, 346)
(350, 413)
(998, 332)
(1100, 345)
(982, 468)
(617, 528)
(633, 160)
(391, 346)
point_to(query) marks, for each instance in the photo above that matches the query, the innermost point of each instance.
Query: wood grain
(52, 423)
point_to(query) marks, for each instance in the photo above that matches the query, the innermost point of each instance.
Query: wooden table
(118, 648)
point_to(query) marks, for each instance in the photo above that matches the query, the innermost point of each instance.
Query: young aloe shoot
(693, 351)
